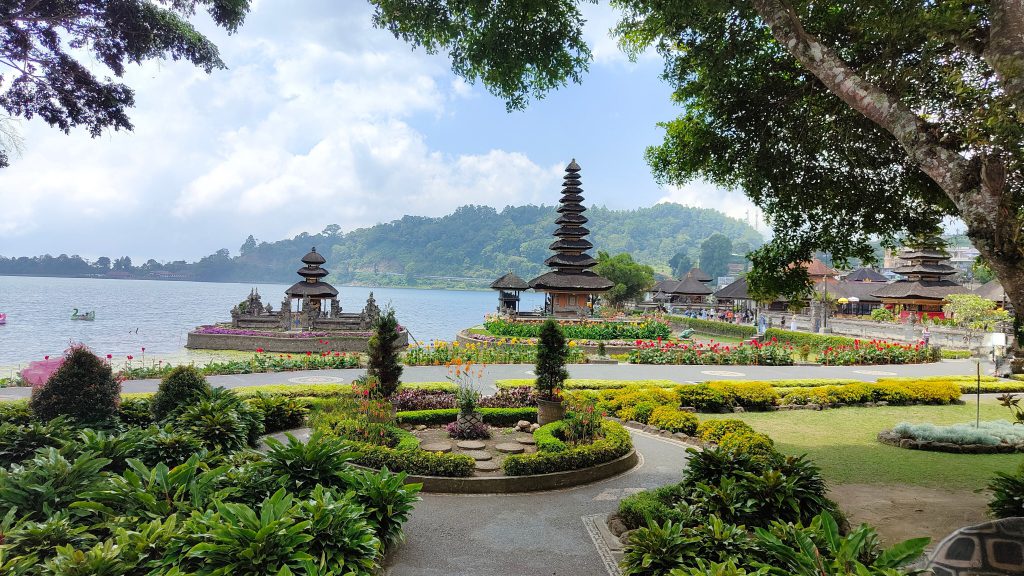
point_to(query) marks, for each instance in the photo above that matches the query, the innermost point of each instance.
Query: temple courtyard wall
(331, 342)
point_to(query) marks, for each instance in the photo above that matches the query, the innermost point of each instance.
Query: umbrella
(843, 301)
(854, 299)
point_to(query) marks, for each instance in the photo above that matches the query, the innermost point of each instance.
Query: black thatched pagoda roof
(920, 289)
(688, 286)
(311, 273)
(698, 275)
(570, 261)
(927, 268)
(992, 290)
(736, 291)
(510, 282)
(865, 275)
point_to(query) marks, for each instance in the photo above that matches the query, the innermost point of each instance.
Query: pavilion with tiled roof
(689, 290)
(925, 286)
(571, 286)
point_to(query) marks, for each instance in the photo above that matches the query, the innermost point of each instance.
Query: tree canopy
(631, 280)
(843, 121)
(45, 48)
(715, 255)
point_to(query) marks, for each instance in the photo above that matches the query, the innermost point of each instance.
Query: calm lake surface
(157, 315)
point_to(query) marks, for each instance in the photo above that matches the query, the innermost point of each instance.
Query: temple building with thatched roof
(509, 287)
(689, 290)
(865, 275)
(993, 290)
(698, 275)
(925, 286)
(571, 286)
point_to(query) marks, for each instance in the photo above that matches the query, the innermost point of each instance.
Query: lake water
(157, 315)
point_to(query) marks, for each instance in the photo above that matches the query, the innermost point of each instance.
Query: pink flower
(130, 357)
(109, 356)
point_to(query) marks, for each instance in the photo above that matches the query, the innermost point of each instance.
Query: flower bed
(718, 328)
(211, 329)
(645, 328)
(260, 362)
(493, 416)
(763, 354)
(876, 352)
(439, 353)
(586, 383)
(615, 444)
(999, 436)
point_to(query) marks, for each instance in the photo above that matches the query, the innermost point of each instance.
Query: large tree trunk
(977, 186)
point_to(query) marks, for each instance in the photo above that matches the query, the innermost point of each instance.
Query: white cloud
(732, 203)
(600, 19)
(311, 124)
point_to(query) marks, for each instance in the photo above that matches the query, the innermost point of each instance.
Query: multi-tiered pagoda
(926, 285)
(571, 286)
(311, 291)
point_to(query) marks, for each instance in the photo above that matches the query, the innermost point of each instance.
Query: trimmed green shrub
(702, 398)
(673, 420)
(419, 462)
(449, 387)
(755, 444)
(639, 412)
(15, 412)
(987, 433)
(718, 328)
(552, 352)
(135, 412)
(183, 387)
(546, 438)
(714, 430)
(750, 394)
(382, 354)
(589, 383)
(615, 443)
(83, 389)
(492, 416)
(816, 341)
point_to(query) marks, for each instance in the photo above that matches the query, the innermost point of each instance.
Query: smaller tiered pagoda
(311, 292)
(925, 286)
(571, 286)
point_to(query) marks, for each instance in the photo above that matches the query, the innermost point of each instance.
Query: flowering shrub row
(411, 399)
(260, 362)
(209, 329)
(876, 352)
(659, 352)
(646, 328)
(439, 353)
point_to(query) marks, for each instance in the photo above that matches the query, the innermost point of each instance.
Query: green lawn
(842, 442)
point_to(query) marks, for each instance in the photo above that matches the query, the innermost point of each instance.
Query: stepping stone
(526, 440)
(471, 445)
(437, 447)
(479, 455)
(487, 465)
(510, 448)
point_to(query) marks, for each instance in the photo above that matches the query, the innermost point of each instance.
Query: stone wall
(335, 343)
(942, 336)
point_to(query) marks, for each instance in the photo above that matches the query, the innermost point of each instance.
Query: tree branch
(946, 167)
(1005, 49)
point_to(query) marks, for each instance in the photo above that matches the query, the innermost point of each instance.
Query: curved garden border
(889, 438)
(530, 483)
(335, 342)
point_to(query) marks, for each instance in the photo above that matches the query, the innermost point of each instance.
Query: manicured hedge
(414, 461)
(588, 383)
(927, 392)
(546, 437)
(948, 354)
(492, 416)
(816, 341)
(316, 390)
(715, 430)
(718, 328)
(615, 444)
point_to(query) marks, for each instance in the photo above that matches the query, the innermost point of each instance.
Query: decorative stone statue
(335, 308)
(235, 313)
(371, 311)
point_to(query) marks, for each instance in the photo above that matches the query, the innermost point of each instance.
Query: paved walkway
(530, 534)
(601, 371)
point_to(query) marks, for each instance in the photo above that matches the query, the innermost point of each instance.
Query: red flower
(259, 350)
(46, 357)
(308, 353)
(109, 356)
(130, 356)
(143, 348)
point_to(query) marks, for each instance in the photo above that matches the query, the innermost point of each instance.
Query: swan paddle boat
(3, 318)
(90, 315)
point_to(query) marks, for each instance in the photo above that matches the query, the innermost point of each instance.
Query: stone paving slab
(471, 445)
(479, 455)
(487, 465)
(437, 447)
(528, 440)
(510, 448)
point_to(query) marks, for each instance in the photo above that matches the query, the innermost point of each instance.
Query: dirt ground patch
(902, 512)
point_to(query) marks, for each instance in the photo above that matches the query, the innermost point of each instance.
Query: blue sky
(322, 119)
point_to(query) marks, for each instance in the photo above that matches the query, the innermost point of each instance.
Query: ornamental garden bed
(994, 437)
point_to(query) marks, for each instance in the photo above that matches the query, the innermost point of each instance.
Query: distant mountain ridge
(467, 248)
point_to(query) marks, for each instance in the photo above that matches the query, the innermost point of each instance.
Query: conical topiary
(83, 389)
(180, 389)
(383, 361)
(552, 351)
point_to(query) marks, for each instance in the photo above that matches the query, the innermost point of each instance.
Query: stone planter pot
(549, 411)
(467, 421)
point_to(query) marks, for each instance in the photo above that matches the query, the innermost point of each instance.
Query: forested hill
(468, 248)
